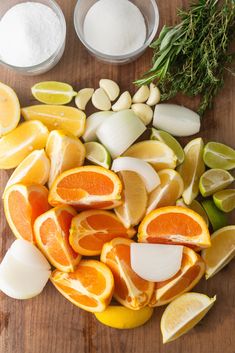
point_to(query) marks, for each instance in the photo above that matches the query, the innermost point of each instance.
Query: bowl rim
(60, 14)
(123, 57)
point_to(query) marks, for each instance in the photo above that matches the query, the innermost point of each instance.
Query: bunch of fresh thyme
(192, 57)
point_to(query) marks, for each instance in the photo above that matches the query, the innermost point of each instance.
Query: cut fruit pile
(147, 214)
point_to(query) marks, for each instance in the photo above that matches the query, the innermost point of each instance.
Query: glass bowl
(48, 64)
(150, 12)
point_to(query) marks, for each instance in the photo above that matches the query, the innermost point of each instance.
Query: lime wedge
(97, 154)
(218, 155)
(196, 207)
(191, 169)
(225, 200)
(216, 217)
(52, 92)
(214, 180)
(170, 141)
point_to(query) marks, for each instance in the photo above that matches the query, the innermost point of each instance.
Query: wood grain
(49, 323)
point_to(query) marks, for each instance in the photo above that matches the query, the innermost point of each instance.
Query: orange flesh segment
(65, 219)
(172, 224)
(80, 298)
(90, 278)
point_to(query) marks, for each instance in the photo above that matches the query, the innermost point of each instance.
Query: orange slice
(190, 273)
(174, 225)
(130, 290)
(90, 287)
(90, 230)
(52, 236)
(22, 205)
(9, 109)
(87, 187)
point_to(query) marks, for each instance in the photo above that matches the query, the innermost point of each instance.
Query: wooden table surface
(51, 324)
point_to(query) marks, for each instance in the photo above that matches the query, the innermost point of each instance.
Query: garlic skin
(123, 102)
(83, 97)
(110, 87)
(155, 95)
(141, 95)
(100, 100)
(143, 111)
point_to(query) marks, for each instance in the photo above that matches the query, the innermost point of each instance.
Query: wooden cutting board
(51, 324)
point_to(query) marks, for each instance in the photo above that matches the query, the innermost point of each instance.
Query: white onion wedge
(144, 169)
(19, 277)
(120, 131)
(176, 119)
(92, 124)
(156, 262)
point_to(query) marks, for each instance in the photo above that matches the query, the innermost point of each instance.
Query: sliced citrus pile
(90, 230)
(87, 187)
(190, 273)
(225, 200)
(170, 189)
(130, 290)
(121, 317)
(218, 155)
(214, 180)
(19, 143)
(9, 109)
(22, 205)
(196, 207)
(52, 92)
(59, 117)
(34, 169)
(191, 169)
(154, 152)
(174, 225)
(134, 196)
(52, 237)
(89, 287)
(65, 152)
(183, 314)
(221, 252)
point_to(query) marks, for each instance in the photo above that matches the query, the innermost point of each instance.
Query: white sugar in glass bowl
(149, 10)
(51, 61)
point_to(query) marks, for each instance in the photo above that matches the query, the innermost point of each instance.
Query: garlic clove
(100, 100)
(123, 102)
(141, 95)
(143, 111)
(83, 97)
(155, 95)
(111, 88)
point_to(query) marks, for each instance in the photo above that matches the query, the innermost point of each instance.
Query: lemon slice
(170, 189)
(97, 154)
(65, 152)
(134, 196)
(121, 317)
(195, 206)
(218, 155)
(52, 92)
(221, 252)
(214, 180)
(216, 217)
(170, 141)
(9, 109)
(154, 152)
(20, 142)
(69, 119)
(183, 313)
(225, 200)
(191, 169)
(34, 169)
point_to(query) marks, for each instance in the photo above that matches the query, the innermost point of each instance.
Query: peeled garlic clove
(155, 95)
(83, 97)
(123, 102)
(143, 111)
(111, 88)
(100, 100)
(141, 95)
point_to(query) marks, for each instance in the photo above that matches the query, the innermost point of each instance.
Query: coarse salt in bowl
(49, 61)
(149, 11)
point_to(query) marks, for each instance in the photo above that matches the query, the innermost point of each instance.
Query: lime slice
(52, 92)
(170, 141)
(191, 169)
(196, 207)
(218, 155)
(216, 217)
(97, 154)
(214, 180)
(225, 200)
